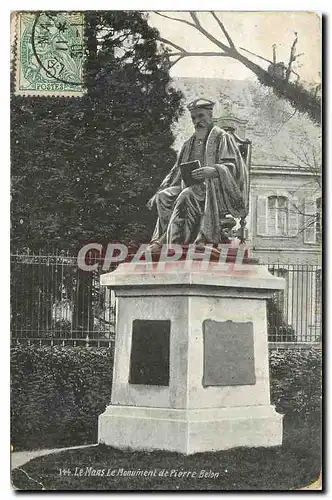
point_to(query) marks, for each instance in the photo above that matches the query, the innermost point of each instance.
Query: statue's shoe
(154, 247)
(200, 247)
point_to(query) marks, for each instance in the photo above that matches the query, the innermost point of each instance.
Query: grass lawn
(296, 464)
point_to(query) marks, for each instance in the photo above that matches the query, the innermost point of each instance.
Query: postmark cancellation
(48, 51)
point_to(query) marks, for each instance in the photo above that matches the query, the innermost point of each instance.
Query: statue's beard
(201, 130)
(202, 126)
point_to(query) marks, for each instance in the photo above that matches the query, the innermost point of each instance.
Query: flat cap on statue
(201, 103)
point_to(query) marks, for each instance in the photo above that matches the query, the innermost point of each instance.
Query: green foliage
(303, 100)
(296, 381)
(83, 168)
(57, 395)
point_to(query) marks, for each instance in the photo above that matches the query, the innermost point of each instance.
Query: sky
(255, 31)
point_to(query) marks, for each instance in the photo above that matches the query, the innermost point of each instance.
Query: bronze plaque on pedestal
(149, 360)
(228, 353)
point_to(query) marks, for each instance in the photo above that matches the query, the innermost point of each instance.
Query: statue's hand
(204, 173)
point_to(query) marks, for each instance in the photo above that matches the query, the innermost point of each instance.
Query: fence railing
(294, 314)
(53, 302)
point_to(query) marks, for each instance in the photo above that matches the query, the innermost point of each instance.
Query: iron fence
(53, 302)
(295, 313)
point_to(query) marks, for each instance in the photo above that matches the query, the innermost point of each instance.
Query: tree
(282, 135)
(83, 168)
(309, 158)
(278, 75)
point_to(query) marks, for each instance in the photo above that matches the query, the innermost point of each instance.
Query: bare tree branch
(311, 223)
(315, 161)
(253, 54)
(195, 19)
(302, 99)
(196, 24)
(282, 124)
(197, 54)
(184, 53)
(312, 168)
(305, 184)
(168, 42)
(291, 57)
(172, 63)
(271, 62)
(305, 161)
(223, 29)
(208, 35)
(230, 51)
(309, 219)
(184, 21)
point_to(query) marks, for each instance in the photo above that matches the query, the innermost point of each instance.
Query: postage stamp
(49, 53)
(166, 254)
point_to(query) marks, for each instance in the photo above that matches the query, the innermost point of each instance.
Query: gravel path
(19, 458)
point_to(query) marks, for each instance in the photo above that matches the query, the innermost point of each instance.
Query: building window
(313, 220)
(277, 223)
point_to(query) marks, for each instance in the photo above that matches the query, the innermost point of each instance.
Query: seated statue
(201, 212)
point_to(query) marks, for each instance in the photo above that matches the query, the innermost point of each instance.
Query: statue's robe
(194, 214)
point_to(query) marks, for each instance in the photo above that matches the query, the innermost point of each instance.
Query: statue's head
(201, 113)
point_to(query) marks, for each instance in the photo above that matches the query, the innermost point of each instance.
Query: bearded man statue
(200, 213)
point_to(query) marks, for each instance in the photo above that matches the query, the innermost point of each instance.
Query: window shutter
(293, 216)
(261, 215)
(309, 221)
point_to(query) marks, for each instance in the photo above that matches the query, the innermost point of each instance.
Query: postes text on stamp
(49, 53)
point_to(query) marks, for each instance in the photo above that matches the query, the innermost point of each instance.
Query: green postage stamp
(49, 53)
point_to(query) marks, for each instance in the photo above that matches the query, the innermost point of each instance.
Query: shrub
(57, 394)
(295, 378)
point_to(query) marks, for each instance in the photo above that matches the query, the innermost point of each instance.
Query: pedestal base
(189, 431)
(191, 369)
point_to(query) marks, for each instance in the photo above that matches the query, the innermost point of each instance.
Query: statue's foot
(154, 247)
(201, 247)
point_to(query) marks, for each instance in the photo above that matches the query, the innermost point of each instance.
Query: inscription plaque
(149, 360)
(228, 353)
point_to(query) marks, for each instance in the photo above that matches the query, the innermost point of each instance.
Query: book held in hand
(186, 171)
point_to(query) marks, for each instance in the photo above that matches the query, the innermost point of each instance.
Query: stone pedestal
(191, 359)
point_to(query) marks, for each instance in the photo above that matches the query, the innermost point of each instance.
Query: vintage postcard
(166, 259)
